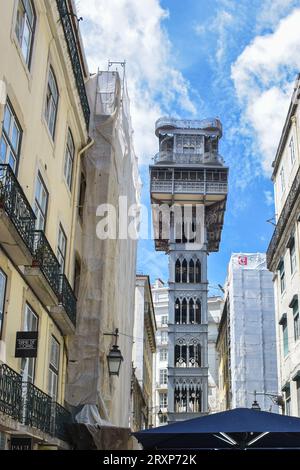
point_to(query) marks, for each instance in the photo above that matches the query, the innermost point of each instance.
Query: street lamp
(114, 357)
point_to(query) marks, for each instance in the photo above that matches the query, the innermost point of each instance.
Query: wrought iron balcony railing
(67, 298)
(10, 392)
(36, 407)
(208, 187)
(72, 43)
(16, 205)
(283, 219)
(45, 259)
(188, 158)
(60, 419)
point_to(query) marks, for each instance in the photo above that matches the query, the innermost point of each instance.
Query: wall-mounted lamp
(114, 358)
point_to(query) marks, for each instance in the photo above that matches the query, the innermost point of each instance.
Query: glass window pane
(3, 150)
(7, 119)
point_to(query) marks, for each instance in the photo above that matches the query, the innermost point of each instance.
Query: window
(31, 322)
(164, 336)
(187, 398)
(25, 26)
(296, 320)
(198, 272)
(40, 203)
(51, 102)
(292, 151)
(164, 320)
(53, 369)
(293, 258)
(282, 180)
(61, 248)
(163, 376)
(77, 274)
(81, 196)
(298, 396)
(163, 400)
(177, 271)
(3, 281)
(282, 276)
(10, 143)
(69, 159)
(163, 355)
(285, 337)
(163, 419)
(288, 401)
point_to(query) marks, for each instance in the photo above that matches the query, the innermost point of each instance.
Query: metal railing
(283, 219)
(187, 158)
(67, 298)
(45, 259)
(210, 187)
(72, 44)
(10, 392)
(36, 407)
(27, 404)
(16, 205)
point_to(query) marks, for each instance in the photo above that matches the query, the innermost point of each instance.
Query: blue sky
(194, 59)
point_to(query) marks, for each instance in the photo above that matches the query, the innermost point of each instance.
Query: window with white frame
(164, 320)
(293, 258)
(61, 248)
(25, 26)
(282, 276)
(163, 400)
(282, 180)
(285, 337)
(296, 320)
(69, 159)
(163, 376)
(51, 106)
(40, 203)
(3, 281)
(163, 354)
(164, 336)
(10, 143)
(292, 150)
(31, 323)
(287, 401)
(53, 368)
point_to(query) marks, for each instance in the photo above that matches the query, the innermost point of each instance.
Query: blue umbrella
(241, 428)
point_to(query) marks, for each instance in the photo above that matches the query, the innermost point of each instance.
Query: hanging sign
(26, 344)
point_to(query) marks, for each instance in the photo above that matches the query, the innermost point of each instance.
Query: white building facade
(283, 255)
(214, 310)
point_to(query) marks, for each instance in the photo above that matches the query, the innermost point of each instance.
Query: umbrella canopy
(238, 428)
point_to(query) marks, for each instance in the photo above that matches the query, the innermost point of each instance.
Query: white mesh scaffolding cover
(107, 281)
(252, 330)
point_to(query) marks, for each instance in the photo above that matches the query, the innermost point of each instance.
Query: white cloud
(269, 199)
(272, 11)
(133, 30)
(263, 76)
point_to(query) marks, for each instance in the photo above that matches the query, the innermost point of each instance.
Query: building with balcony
(246, 342)
(188, 194)
(283, 255)
(214, 310)
(44, 119)
(143, 351)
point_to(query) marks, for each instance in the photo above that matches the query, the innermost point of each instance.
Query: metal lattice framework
(74, 57)
(10, 392)
(283, 219)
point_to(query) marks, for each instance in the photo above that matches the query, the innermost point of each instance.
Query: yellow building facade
(44, 117)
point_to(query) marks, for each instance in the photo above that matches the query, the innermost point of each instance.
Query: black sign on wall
(20, 443)
(26, 344)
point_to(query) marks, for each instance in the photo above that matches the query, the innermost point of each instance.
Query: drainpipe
(89, 144)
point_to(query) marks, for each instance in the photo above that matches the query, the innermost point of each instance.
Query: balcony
(29, 406)
(181, 158)
(192, 187)
(44, 273)
(65, 312)
(17, 218)
(283, 220)
(72, 44)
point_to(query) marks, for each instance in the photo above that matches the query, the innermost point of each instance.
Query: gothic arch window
(184, 312)
(191, 271)
(177, 271)
(177, 311)
(184, 271)
(198, 271)
(198, 319)
(194, 356)
(188, 398)
(191, 311)
(181, 354)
